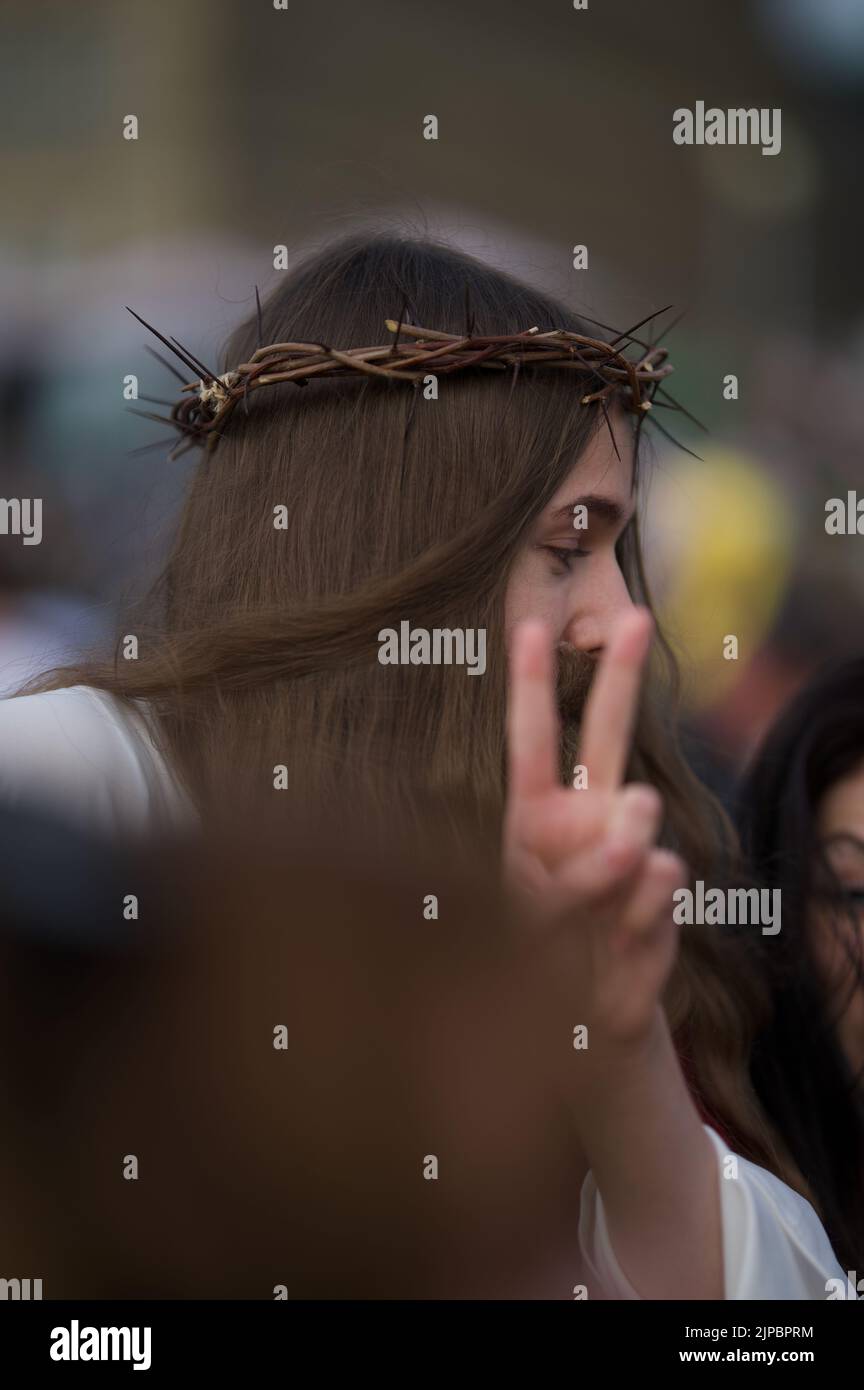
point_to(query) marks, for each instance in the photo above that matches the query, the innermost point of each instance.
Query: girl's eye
(845, 894)
(565, 555)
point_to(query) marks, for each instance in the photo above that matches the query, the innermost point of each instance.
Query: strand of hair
(469, 317)
(516, 366)
(415, 393)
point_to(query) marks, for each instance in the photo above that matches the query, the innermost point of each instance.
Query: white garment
(774, 1245)
(88, 757)
(85, 755)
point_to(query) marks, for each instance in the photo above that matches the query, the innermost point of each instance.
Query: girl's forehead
(601, 470)
(842, 807)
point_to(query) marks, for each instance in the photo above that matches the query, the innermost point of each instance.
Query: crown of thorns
(201, 413)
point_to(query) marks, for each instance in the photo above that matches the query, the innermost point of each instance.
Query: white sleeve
(79, 754)
(774, 1245)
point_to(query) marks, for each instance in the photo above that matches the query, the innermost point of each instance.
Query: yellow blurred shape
(727, 533)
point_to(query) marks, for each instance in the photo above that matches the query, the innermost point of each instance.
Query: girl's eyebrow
(602, 507)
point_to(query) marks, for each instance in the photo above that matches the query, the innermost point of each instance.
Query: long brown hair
(258, 645)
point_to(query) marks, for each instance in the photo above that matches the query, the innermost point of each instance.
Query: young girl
(802, 815)
(331, 514)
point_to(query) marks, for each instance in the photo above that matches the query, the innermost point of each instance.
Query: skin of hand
(592, 850)
(588, 862)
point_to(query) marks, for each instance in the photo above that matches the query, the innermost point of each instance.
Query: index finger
(610, 710)
(533, 734)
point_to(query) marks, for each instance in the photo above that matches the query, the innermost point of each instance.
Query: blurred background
(261, 127)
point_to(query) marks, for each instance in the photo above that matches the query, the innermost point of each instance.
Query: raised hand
(587, 858)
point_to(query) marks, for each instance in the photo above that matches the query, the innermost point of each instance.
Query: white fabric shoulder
(86, 756)
(774, 1245)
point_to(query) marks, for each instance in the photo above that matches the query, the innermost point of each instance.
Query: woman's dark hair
(259, 646)
(799, 1069)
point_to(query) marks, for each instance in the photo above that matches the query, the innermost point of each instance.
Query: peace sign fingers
(533, 731)
(610, 709)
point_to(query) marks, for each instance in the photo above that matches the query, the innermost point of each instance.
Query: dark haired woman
(802, 814)
(258, 667)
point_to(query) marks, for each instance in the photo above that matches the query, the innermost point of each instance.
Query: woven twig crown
(206, 404)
